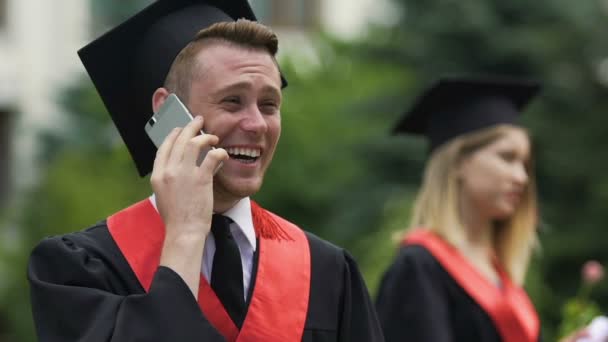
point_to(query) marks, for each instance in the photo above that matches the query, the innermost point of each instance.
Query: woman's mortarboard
(454, 106)
(129, 62)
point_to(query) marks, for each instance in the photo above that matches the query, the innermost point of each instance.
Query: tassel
(266, 227)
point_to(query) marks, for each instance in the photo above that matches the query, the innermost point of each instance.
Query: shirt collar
(240, 213)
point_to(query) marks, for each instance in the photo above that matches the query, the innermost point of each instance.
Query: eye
(269, 106)
(232, 99)
(232, 103)
(508, 156)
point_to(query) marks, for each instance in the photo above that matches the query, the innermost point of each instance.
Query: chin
(504, 213)
(239, 188)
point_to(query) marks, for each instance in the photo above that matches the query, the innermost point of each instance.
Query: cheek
(215, 124)
(274, 128)
(479, 186)
(488, 173)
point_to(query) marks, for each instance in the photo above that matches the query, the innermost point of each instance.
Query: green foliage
(577, 313)
(78, 190)
(79, 187)
(319, 153)
(580, 310)
(561, 43)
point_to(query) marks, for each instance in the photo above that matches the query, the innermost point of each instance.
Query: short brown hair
(243, 33)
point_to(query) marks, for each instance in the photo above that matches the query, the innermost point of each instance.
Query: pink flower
(592, 272)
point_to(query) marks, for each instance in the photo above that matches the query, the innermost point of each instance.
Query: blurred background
(354, 66)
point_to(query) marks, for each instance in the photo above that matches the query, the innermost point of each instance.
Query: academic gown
(419, 300)
(84, 289)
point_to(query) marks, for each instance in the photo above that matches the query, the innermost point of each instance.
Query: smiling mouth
(243, 154)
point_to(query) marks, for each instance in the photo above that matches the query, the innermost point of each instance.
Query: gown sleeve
(359, 322)
(77, 295)
(411, 303)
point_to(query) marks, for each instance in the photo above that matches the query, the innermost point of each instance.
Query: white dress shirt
(244, 235)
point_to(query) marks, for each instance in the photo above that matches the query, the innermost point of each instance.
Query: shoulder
(327, 256)
(95, 239)
(414, 260)
(319, 247)
(324, 247)
(281, 221)
(416, 254)
(75, 239)
(97, 236)
(64, 257)
(88, 258)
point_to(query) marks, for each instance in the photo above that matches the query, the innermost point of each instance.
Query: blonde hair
(244, 33)
(436, 207)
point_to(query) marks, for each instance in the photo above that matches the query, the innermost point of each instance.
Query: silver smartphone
(173, 113)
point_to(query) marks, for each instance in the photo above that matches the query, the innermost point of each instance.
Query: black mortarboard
(458, 105)
(128, 63)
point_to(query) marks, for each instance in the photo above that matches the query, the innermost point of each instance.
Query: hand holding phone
(173, 113)
(184, 192)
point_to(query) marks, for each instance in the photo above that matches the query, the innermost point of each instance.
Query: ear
(158, 98)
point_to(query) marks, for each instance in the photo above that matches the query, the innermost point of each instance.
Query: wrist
(187, 233)
(182, 249)
(185, 240)
(183, 253)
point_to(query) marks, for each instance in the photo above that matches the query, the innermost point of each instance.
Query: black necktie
(227, 272)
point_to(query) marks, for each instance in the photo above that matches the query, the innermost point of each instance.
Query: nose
(254, 121)
(520, 174)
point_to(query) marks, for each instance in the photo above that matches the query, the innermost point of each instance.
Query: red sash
(282, 279)
(508, 306)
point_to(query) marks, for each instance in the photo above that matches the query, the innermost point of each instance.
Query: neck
(479, 231)
(478, 245)
(222, 203)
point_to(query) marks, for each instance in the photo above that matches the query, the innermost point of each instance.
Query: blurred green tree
(562, 44)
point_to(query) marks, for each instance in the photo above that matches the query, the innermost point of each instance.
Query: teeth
(242, 151)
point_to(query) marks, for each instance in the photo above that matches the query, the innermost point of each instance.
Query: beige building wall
(38, 43)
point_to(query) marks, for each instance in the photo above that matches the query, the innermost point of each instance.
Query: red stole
(508, 306)
(282, 279)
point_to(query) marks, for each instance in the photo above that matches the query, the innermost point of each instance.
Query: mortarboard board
(128, 63)
(454, 105)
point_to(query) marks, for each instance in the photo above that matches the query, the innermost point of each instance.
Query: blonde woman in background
(458, 272)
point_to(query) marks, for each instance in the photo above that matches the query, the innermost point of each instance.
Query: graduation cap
(458, 105)
(128, 63)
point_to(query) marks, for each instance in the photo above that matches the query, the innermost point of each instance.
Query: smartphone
(173, 113)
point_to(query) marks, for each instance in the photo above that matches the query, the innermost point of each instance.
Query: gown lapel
(282, 279)
(508, 305)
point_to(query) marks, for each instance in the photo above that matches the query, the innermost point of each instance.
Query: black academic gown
(82, 289)
(419, 301)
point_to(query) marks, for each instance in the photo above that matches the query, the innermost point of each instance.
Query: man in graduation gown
(198, 260)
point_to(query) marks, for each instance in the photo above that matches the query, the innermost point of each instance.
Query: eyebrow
(246, 85)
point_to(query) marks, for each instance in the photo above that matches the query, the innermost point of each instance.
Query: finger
(213, 160)
(191, 130)
(164, 150)
(197, 146)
